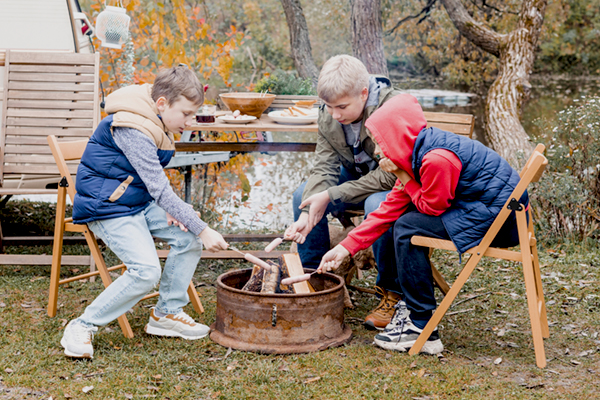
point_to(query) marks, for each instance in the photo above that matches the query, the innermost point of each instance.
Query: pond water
(269, 206)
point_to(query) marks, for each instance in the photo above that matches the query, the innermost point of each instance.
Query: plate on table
(241, 119)
(283, 117)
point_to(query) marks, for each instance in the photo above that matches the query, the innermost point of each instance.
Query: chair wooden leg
(106, 279)
(195, 299)
(531, 290)
(59, 230)
(445, 304)
(540, 292)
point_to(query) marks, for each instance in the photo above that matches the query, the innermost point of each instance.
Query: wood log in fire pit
(263, 281)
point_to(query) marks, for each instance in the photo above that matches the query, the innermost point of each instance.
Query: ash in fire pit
(279, 322)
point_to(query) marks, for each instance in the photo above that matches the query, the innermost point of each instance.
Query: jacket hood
(133, 107)
(395, 126)
(136, 99)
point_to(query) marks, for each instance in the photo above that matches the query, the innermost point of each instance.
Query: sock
(159, 314)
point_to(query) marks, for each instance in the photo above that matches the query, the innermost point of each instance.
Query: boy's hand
(333, 258)
(388, 166)
(173, 221)
(212, 240)
(298, 230)
(318, 205)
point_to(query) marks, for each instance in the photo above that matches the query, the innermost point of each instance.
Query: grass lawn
(489, 352)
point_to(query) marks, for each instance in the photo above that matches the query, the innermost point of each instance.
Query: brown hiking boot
(383, 313)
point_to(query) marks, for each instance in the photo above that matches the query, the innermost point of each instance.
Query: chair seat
(494, 252)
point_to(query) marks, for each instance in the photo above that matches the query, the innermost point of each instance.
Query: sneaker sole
(153, 330)
(75, 355)
(430, 347)
(370, 326)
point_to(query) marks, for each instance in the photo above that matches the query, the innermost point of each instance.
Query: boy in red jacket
(449, 187)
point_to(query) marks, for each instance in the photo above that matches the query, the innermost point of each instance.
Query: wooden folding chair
(64, 152)
(527, 255)
(45, 93)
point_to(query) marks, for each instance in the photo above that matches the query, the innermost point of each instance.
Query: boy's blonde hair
(178, 81)
(342, 75)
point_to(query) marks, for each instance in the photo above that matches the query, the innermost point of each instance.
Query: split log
(269, 280)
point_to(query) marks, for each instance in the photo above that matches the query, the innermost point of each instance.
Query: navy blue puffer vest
(107, 185)
(486, 181)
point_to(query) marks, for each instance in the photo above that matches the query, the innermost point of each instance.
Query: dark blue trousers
(412, 262)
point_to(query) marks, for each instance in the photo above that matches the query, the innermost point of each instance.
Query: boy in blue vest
(345, 175)
(125, 198)
(449, 187)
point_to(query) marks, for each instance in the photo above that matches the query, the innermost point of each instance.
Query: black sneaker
(402, 337)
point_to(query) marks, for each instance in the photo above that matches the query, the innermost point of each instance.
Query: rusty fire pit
(280, 323)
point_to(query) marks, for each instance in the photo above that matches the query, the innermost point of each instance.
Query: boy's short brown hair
(178, 81)
(342, 75)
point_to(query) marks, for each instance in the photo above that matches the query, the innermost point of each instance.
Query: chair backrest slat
(45, 93)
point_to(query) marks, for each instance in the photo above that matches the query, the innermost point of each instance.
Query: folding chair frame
(527, 255)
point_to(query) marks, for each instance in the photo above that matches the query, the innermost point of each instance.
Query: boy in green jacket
(345, 176)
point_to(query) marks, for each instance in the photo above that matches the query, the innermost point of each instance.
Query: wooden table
(265, 123)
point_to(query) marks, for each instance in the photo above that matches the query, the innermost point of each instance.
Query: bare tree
(367, 35)
(299, 40)
(516, 53)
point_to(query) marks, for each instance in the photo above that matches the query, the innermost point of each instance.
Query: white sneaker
(77, 340)
(180, 325)
(402, 336)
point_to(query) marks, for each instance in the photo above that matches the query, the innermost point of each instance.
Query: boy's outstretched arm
(140, 151)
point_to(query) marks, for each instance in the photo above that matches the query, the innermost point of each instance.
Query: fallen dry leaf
(87, 389)
(413, 364)
(313, 379)
(421, 373)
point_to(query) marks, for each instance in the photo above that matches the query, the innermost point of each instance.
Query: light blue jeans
(130, 238)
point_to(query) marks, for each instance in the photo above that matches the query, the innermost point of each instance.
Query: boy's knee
(373, 202)
(146, 277)
(190, 242)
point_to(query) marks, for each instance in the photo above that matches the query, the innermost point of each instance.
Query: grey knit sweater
(140, 151)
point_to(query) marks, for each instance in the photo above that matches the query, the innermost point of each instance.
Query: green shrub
(282, 82)
(568, 195)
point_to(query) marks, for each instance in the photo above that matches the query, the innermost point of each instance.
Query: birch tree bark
(516, 54)
(299, 40)
(367, 35)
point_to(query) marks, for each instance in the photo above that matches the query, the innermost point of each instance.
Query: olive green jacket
(332, 151)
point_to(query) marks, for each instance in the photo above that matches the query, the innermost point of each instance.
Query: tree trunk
(367, 35)
(516, 52)
(299, 40)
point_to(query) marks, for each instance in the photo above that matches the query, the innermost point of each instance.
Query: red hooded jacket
(395, 126)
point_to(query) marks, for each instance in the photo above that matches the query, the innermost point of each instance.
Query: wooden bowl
(248, 103)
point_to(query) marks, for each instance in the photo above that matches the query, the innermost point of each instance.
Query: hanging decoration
(112, 26)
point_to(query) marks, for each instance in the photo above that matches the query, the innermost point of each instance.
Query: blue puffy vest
(107, 185)
(486, 181)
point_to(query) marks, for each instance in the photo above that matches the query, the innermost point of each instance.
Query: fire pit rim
(278, 295)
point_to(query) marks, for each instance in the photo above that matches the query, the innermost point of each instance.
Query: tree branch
(425, 10)
(480, 35)
(484, 5)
